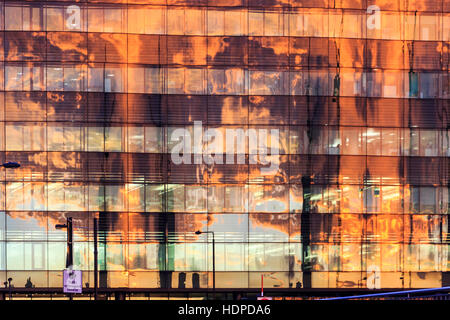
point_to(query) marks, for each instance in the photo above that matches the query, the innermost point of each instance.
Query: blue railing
(389, 294)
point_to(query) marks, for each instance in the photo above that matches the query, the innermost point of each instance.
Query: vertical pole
(95, 258)
(214, 267)
(69, 262)
(305, 229)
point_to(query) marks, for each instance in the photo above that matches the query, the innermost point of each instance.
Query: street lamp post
(214, 259)
(68, 226)
(69, 256)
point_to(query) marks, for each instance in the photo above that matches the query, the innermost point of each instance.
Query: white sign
(73, 281)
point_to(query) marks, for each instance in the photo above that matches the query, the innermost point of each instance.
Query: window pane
(196, 22)
(25, 138)
(429, 143)
(255, 21)
(14, 137)
(154, 197)
(95, 79)
(115, 79)
(95, 139)
(175, 81)
(373, 141)
(135, 139)
(235, 23)
(26, 196)
(113, 139)
(153, 80)
(114, 20)
(175, 24)
(428, 200)
(372, 199)
(55, 19)
(136, 80)
(13, 78)
(195, 199)
(115, 197)
(95, 19)
(153, 139)
(96, 198)
(136, 20)
(154, 21)
(13, 18)
(55, 78)
(136, 197)
(216, 23)
(74, 79)
(390, 142)
(352, 197)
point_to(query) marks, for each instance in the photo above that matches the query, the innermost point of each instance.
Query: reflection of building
(92, 94)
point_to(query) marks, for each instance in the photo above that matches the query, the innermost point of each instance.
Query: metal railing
(397, 295)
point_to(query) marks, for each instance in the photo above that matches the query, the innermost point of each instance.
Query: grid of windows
(342, 167)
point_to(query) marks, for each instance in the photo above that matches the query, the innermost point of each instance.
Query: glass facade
(310, 136)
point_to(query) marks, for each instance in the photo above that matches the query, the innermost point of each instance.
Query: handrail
(388, 293)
